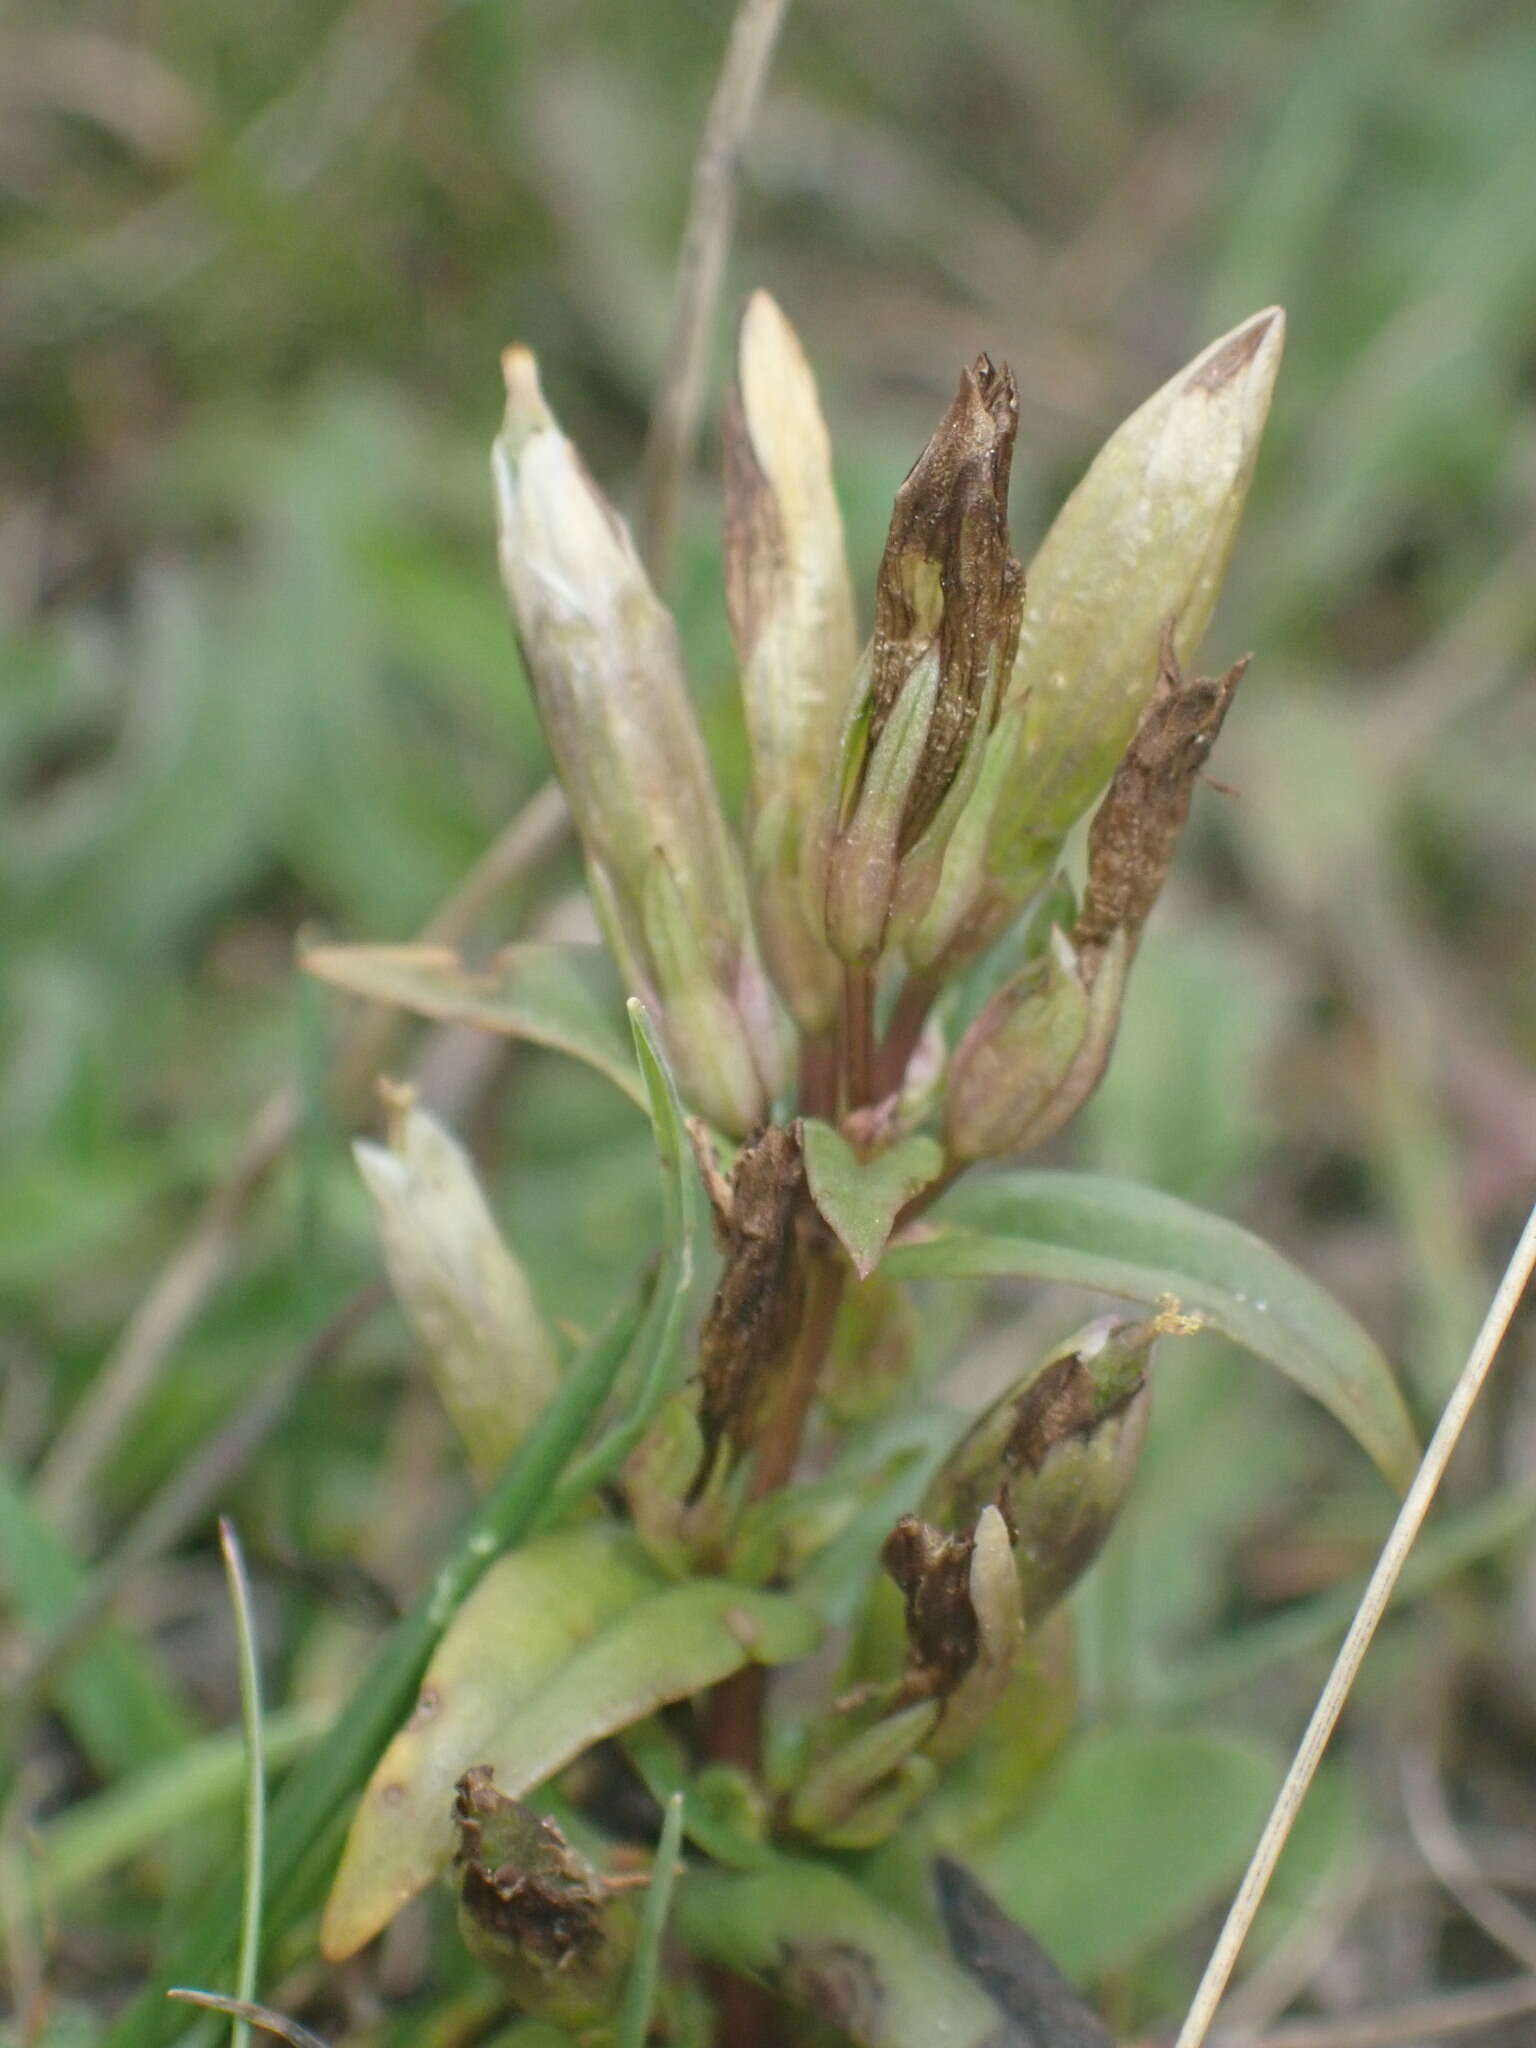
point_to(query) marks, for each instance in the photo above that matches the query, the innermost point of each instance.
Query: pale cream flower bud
(464, 1295)
(792, 616)
(603, 658)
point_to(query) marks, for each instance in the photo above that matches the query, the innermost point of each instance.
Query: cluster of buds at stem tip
(947, 611)
(1137, 553)
(604, 662)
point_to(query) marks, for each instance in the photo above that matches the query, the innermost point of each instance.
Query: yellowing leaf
(532, 1609)
(663, 1647)
(565, 997)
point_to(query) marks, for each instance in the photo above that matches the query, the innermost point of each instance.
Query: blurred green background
(258, 263)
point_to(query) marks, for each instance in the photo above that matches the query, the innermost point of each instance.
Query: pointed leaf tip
(1089, 1230)
(861, 1198)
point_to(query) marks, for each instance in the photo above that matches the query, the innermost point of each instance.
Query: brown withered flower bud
(754, 1316)
(1136, 828)
(1057, 1453)
(947, 614)
(1142, 541)
(1039, 1049)
(534, 1910)
(932, 1570)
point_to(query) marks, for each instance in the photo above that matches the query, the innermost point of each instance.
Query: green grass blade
(248, 1966)
(640, 1987)
(658, 1343)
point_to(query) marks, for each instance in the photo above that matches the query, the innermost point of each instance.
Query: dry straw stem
(1373, 1605)
(1404, 2026)
(1452, 1862)
(700, 267)
(262, 2016)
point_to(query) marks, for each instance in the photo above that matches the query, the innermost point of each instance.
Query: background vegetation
(258, 262)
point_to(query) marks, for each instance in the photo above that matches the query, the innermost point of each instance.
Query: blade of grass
(640, 1986)
(679, 1222)
(1457, 1541)
(249, 1962)
(1351, 1655)
(188, 1494)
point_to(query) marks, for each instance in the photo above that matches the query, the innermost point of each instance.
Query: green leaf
(663, 1647)
(530, 1612)
(820, 1942)
(566, 997)
(1116, 1238)
(1135, 1835)
(861, 1198)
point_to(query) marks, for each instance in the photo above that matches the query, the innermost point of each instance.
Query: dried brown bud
(1057, 1453)
(755, 1314)
(1144, 539)
(1136, 828)
(534, 1910)
(949, 573)
(933, 1572)
(946, 625)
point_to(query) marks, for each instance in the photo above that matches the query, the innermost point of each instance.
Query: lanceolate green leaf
(1116, 1238)
(567, 997)
(530, 1612)
(664, 1647)
(822, 1943)
(861, 1198)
